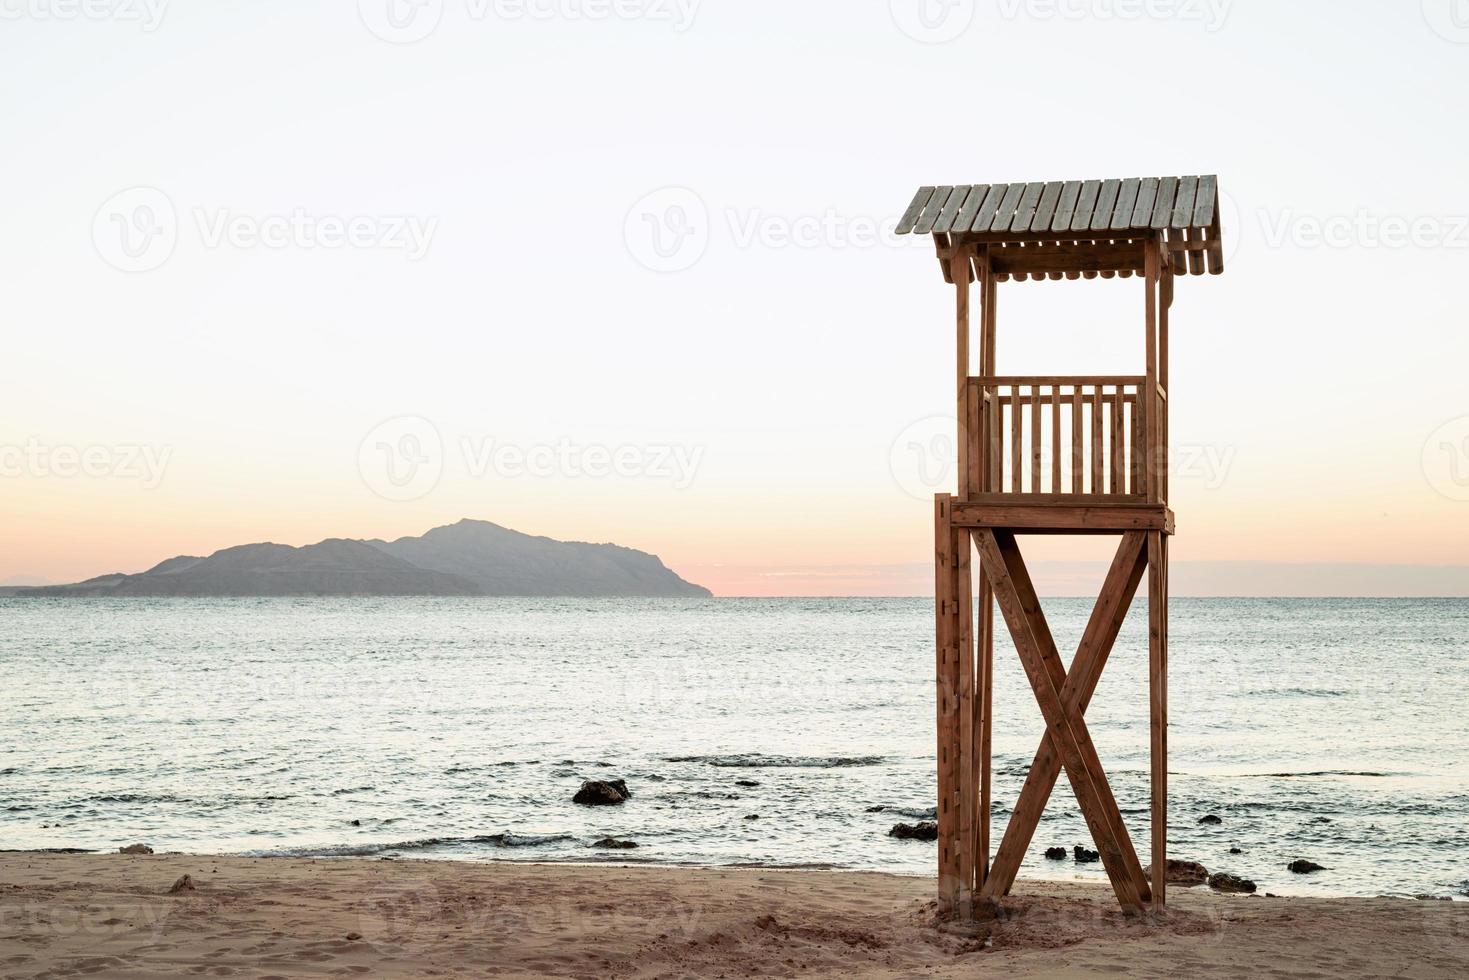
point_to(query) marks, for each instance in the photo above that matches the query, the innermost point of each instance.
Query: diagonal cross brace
(1065, 729)
(1121, 584)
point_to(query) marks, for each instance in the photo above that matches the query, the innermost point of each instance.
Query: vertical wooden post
(984, 699)
(1148, 398)
(959, 269)
(1158, 707)
(962, 548)
(947, 677)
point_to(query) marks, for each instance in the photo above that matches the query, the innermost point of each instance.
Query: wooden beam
(1018, 602)
(1113, 600)
(946, 675)
(1064, 518)
(1158, 708)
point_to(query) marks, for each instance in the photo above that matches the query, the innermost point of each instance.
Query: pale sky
(620, 270)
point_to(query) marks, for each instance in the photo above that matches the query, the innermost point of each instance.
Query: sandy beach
(114, 916)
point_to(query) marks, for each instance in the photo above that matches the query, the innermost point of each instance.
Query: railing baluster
(1035, 438)
(1055, 438)
(996, 435)
(1078, 454)
(1096, 485)
(1116, 440)
(1017, 468)
(1135, 457)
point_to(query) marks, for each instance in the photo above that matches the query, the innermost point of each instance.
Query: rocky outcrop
(1083, 856)
(602, 792)
(135, 849)
(1231, 884)
(613, 844)
(1055, 854)
(926, 830)
(1210, 818)
(1301, 866)
(1182, 872)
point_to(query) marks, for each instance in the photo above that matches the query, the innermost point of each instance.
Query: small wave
(1299, 692)
(429, 843)
(757, 761)
(912, 813)
(1318, 774)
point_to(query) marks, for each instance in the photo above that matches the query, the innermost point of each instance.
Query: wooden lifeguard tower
(1054, 455)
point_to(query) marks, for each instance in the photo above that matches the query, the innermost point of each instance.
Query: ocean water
(1332, 730)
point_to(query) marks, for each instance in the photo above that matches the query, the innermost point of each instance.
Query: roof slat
(1102, 213)
(1046, 209)
(951, 210)
(915, 210)
(1082, 220)
(1126, 198)
(976, 197)
(991, 205)
(1206, 200)
(1163, 206)
(1183, 205)
(1147, 193)
(1025, 210)
(1006, 211)
(934, 210)
(1066, 207)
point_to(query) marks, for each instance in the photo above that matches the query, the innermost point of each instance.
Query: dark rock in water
(876, 809)
(1083, 856)
(613, 844)
(599, 792)
(1301, 866)
(355, 823)
(1055, 854)
(1210, 819)
(747, 782)
(1231, 884)
(1182, 872)
(184, 884)
(926, 830)
(135, 849)
(752, 816)
(1433, 898)
(1235, 850)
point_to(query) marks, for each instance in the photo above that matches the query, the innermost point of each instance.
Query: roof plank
(971, 207)
(1206, 201)
(934, 210)
(1142, 213)
(1163, 206)
(951, 208)
(1126, 199)
(1102, 213)
(1025, 210)
(990, 207)
(1046, 209)
(1006, 212)
(915, 210)
(1183, 204)
(1082, 220)
(1066, 206)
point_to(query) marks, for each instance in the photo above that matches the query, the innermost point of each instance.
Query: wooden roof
(1079, 216)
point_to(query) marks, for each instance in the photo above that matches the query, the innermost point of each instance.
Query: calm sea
(1332, 730)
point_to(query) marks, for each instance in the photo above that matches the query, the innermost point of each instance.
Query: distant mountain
(500, 561)
(465, 559)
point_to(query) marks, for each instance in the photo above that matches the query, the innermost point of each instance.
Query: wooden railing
(1061, 435)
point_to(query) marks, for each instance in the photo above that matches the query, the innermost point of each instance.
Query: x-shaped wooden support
(1063, 698)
